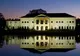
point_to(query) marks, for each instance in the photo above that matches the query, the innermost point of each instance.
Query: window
(62, 21)
(13, 27)
(46, 37)
(72, 21)
(41, 27)
(37, 21)
(67, 27)
(27, 43)
(56, 21)
(62, 27)
(32, 21)
(51, 43)
(72, 27)
(72, 43)
(27, 21)
(41, 21)
(32, 43)
(46, 22)
(46, 27)
(59, 27)
(25, 27)
(37, 27)
(42, 44)
(22, 43)
(22, 22)
(37, 37)
(46, 43)
(59, 21)
(69, 21)
(51, 21)
(37, 43)
(41, 37)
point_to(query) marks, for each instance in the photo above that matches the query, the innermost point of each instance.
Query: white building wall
(57, 21)
(27, 22)
(11, 24)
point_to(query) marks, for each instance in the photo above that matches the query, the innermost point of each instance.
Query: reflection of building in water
(43, 43)
(40, 21)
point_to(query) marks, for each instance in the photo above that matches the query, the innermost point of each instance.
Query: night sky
(18, 8)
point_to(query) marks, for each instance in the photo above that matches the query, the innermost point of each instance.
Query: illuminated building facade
(40, 20)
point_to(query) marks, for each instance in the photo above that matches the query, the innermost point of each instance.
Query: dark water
(14, 45)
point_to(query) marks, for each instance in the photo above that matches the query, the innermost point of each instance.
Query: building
(40, 20)
(42, 43)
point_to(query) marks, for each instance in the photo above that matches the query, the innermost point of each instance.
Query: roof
(12, 19)
(49, 15)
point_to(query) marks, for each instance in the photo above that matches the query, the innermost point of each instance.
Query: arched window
(41, 27)
(41, 21)
(37, 28)
(46, 27)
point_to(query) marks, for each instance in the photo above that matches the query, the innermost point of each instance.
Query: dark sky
(18, 8)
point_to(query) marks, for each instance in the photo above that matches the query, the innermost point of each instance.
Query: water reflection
(42, 43)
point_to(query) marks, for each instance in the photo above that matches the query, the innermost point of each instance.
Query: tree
(2, 22)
